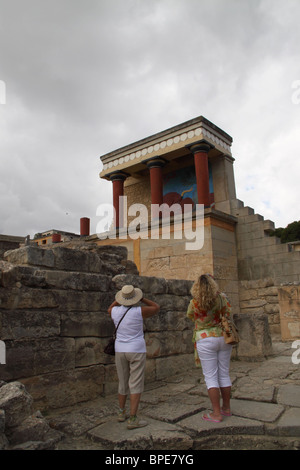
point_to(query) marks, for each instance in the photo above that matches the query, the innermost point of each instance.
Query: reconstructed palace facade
(192, 164)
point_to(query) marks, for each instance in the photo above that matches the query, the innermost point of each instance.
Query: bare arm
(151, 308)
(114, 304)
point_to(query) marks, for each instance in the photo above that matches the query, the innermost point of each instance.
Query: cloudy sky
(80, 78)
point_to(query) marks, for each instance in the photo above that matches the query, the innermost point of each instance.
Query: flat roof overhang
(169, 144)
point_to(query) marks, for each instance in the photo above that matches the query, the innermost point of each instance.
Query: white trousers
(214, 355)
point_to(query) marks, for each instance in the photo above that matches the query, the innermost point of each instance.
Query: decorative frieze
(167, 141)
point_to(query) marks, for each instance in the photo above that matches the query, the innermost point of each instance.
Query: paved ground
(265, 405)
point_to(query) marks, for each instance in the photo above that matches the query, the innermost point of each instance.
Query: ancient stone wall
(54, 321)
(261, 256)
(261, 297)
(289, 306)
(264, 264)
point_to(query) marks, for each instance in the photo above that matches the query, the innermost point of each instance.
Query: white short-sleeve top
(130, 334)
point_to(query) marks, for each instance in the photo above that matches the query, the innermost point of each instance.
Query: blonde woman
(211, 350)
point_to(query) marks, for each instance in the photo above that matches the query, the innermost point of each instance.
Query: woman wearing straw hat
(130, 348)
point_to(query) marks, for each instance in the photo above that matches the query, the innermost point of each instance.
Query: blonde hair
(205, 291)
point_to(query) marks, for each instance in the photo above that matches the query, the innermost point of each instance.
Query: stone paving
(265, 406)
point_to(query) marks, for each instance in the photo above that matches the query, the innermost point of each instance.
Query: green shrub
(290, 233)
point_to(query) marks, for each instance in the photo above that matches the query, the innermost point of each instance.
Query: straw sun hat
(129, 295)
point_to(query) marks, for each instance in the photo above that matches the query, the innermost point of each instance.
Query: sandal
(209, 418)
(225, 413)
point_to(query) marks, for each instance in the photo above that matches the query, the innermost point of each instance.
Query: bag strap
(121, 320)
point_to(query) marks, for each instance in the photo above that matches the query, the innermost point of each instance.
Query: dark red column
(200, 151)
(118, 190)
(155, 166)
(84, 226)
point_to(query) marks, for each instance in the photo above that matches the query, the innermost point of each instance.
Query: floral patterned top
(207, 323)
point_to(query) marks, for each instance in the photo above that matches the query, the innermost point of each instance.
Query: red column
(118, 190)
(200, 151)
(155, 166)
(84, 226)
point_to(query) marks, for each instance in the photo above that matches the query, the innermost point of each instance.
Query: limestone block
(30, 255)
(63, 300)
(76, 281)
(177, 262)
(14, 298)
(4, 444)
(168, 321)
(16, 402)
(88, 323)
(172, 365)
(150, 370)
(89, 351)
(62, 258)
(179, 287)
(148, 284)
(168, 343)
(25, 275)
(2, 421)
(253, 303)
(68, 301)
(34, 429)
(27, 358)
(289, 304)
(66, 388)
(255, 338)
(155, 266)
(18, 324)
(169, 302)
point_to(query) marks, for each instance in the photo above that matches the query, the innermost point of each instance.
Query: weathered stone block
(86, 324)
(2, 421)
(26, 275)
(20, 324)
(89, 351)
(66, 388)
(68, 301)
(31, 255)
(172, 365)
(169, 302)
(168, 321)
(179, 287)
(289, 304)
(34, 429)
(14, 298)
(253, 303)
(168, 343)
(76, 281)
(27, 358)
(148, 285)
(76, 260)
(16, 402)
(255, 338)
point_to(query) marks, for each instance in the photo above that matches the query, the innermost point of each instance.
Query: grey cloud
(86, 77)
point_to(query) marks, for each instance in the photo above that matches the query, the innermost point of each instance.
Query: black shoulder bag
(110, 347)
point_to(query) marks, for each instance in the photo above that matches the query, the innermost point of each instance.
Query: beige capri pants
(131, 371)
